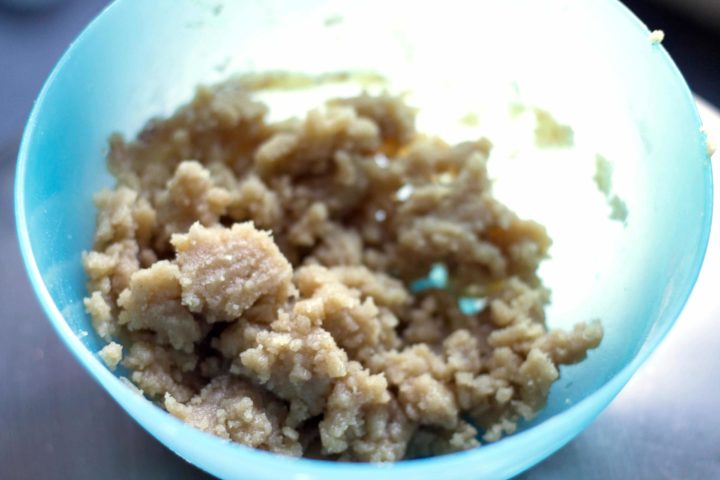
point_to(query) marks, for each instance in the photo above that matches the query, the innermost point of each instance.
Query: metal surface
(55, 422)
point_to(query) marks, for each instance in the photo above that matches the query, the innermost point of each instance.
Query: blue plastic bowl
(592, 61)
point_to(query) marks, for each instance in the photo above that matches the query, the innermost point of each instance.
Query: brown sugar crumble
(259, 276)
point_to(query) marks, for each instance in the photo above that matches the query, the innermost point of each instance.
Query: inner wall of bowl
(471, 59)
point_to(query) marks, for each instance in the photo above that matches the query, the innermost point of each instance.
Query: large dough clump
(223, 272)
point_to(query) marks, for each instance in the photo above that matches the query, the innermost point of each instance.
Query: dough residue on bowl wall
(258, 274)
(551, 133)
(603, 181)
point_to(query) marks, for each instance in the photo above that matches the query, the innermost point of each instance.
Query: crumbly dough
(259, 277)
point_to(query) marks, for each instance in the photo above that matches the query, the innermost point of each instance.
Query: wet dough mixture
(258, 276)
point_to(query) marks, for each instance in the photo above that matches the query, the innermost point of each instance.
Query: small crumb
(657, 37)
(111, 354)
(504, 395)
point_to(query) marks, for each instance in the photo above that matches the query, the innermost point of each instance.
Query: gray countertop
(56, 422)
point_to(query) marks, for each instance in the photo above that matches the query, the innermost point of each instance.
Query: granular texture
(258, 275)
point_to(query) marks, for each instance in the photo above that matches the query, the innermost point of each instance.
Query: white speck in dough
(404, 192)
(381, 160)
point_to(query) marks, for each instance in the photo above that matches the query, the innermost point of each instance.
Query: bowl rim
(172, 432)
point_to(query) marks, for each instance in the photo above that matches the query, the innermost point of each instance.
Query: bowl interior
(589, 63)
